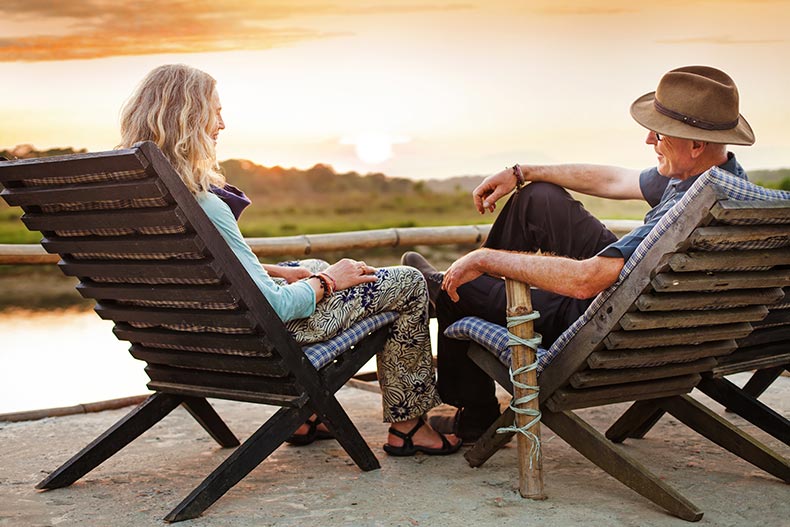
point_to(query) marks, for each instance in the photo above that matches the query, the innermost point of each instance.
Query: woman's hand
(348, 273)
(290, 274)
(492, 188)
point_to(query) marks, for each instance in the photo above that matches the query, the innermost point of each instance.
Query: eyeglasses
(658, 136)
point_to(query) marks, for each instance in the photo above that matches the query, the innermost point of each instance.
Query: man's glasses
(658, 136)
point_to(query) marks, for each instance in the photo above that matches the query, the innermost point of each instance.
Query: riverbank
(319, 485)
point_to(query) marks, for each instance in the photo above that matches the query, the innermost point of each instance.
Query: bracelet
(330, 282)
(519, 177)
(323, 284)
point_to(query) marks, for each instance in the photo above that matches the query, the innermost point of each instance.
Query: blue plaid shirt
(661, 193)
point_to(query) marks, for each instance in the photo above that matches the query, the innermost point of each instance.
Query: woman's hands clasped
(348, 273)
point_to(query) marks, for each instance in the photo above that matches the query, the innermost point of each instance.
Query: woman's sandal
(312, 434)
(409, 448)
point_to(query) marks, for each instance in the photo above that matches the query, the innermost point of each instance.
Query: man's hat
(695, 102)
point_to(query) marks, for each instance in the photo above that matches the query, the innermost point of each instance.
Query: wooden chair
(706, 273)
(124, 224)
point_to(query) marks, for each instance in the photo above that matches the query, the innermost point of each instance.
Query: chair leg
(595, 447)
(491, 440)
(208, 418)
(241, 462)
(725, 434)
(747, 406)
(635, 422)
(337, 420)
(761, 380)
(131, 426)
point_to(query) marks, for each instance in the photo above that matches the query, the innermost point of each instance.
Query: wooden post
(519, 303)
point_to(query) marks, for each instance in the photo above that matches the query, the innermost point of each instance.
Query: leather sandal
(409, 448)
(312, 434)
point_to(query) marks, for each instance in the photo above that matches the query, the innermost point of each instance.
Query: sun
(373, 148)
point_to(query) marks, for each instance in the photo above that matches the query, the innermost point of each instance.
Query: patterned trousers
(405, 364)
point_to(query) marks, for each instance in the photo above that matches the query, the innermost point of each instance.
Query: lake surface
(64, 358)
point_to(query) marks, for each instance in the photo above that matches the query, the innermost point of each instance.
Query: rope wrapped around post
(523, 365)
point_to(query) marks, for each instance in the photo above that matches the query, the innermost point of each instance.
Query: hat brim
(644, 112)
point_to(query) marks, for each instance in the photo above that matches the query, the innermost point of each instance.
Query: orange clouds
(90, 29)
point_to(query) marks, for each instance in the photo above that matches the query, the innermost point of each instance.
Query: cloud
(723, 40)
(91, 29)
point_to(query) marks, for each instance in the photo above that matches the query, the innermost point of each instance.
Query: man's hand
(492, 188)
(463, 270)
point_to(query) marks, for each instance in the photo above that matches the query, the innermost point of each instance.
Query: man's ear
(697, 148)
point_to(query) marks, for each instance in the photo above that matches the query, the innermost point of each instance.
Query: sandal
(409, 448)
(312, 434)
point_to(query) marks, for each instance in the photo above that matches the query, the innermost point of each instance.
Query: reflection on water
(63, 358)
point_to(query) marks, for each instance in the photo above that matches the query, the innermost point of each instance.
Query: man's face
(674, 155)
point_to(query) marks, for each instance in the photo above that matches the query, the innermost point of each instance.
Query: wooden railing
(307, 244)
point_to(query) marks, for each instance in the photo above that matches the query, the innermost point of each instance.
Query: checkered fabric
(322, 353)
(472, 328)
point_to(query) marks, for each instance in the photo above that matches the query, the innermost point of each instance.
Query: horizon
(415, 91)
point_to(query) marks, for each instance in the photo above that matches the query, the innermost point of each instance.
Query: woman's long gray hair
(176, 107)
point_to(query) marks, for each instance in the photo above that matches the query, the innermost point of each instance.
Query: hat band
(696, 123)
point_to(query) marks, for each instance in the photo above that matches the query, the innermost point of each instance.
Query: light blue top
(292, 301)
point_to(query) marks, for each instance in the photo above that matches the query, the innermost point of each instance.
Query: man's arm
(604, 181)
(564, 276)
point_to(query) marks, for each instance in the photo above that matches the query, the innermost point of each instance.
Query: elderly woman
(178, 108)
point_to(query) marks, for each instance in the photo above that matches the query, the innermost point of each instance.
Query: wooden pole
(519, 303)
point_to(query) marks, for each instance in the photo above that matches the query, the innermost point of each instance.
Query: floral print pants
(405, 364)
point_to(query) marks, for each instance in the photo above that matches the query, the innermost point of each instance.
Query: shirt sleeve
(652, 184)
(292, 301)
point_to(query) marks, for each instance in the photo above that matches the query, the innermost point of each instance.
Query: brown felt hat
(695, 102)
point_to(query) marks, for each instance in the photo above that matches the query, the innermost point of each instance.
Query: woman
(178, 108)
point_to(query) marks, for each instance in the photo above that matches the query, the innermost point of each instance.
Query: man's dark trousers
(541, 216)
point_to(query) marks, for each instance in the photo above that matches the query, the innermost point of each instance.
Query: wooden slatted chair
(697, 285)
(140, 244)
(766, 350)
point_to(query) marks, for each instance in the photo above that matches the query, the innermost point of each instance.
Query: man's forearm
(565, 276)
(595, 180)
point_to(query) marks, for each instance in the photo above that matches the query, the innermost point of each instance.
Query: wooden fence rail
(307, 244)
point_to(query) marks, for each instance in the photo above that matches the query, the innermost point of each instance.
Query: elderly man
(545, 238)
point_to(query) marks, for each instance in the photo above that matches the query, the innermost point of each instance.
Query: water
(65, 358)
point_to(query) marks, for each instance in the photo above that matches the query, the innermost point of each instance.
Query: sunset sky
(408, 88)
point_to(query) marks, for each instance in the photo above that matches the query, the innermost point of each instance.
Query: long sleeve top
(292, 301)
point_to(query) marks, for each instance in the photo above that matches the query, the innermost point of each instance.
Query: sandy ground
(319, 485)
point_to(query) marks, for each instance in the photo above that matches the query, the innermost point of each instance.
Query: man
(545, 238)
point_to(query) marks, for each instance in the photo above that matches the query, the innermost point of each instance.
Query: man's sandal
(312, 434)
(409, 448)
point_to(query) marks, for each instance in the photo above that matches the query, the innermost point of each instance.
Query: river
(69, 357)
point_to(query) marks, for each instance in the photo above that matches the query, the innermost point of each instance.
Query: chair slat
(171, 293)
(776, 317)
(569, 398)
(223, 380)
(728, 210)
(263, 366)
(159, 218)
(712, 236)
(130, 245)
(230, 344)
(686, 319)
(753, 358)
(182, 270)
(651, 338)
(145, 189)
(635, 358)
(697, 281)
(175, 317)
(68, 166)
(593, 378)
(765, 336)
(696, 300)
(723, 260)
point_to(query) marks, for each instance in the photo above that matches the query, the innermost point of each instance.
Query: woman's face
(219, 123)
